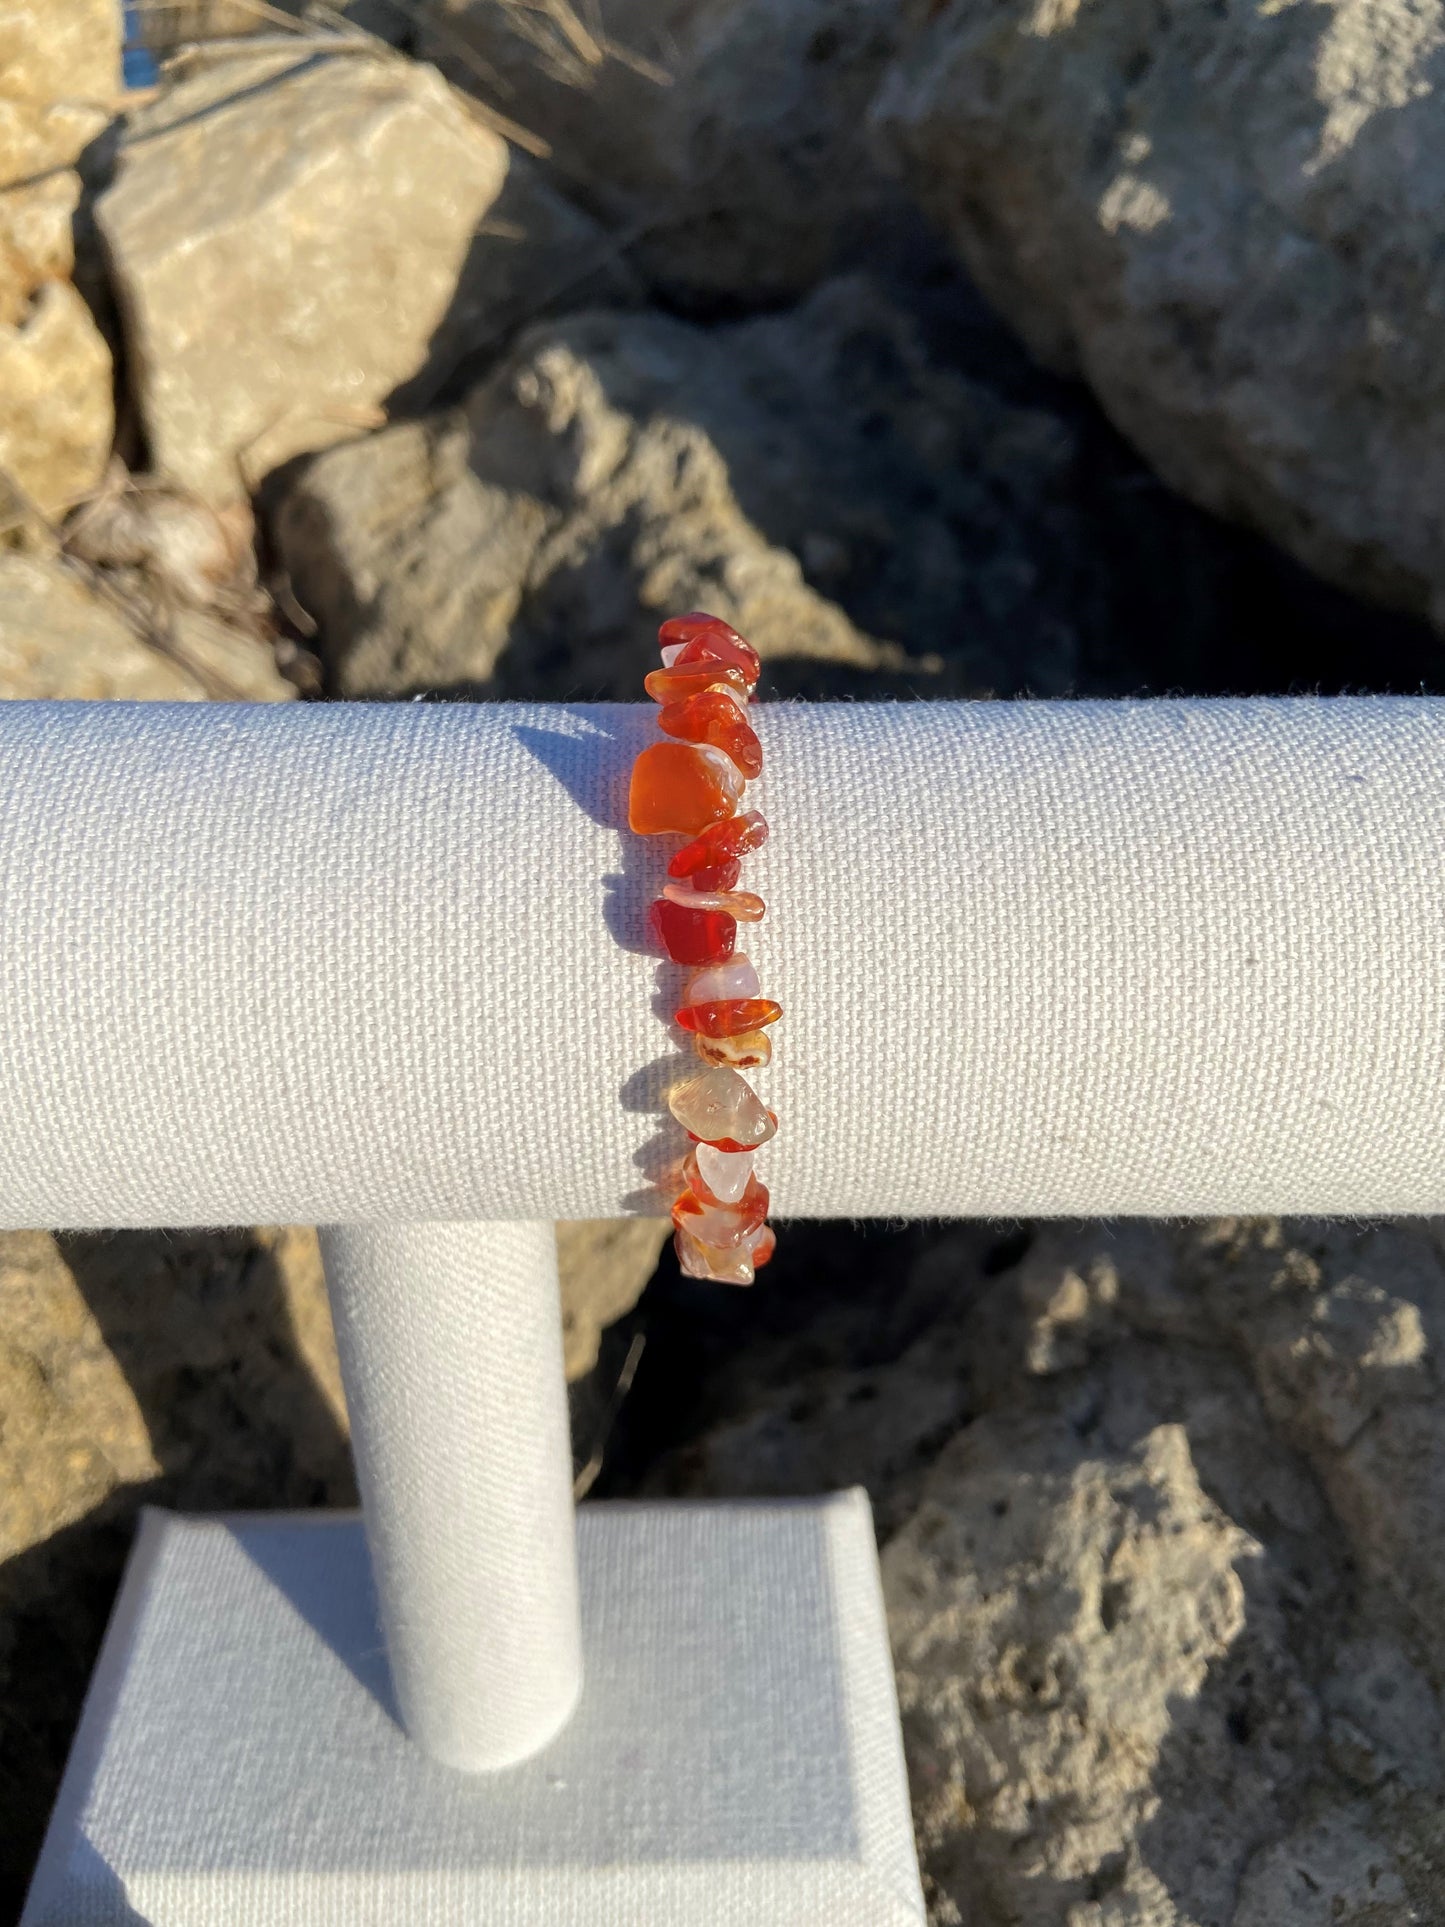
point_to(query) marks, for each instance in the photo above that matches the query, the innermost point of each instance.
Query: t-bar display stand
(377, 968)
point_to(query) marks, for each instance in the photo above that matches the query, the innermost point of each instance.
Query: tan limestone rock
(60, 49)
(286, 234)
(56, 410)
(55, 399)
(59, 640)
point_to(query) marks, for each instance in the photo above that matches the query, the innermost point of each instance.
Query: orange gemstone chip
(729, 1017)
(742, 904)
(747, 1050)
(721, 843)
(676, 685)
(701, 636)
(698, 1260)
(711, 717)
(712, 1222)
(681, 786)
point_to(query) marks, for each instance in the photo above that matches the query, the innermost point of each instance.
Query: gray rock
(1227, 221)
(1333, 1871)
(535, 253)
(619, 467)
(723, 142)
(286, 235)
(1383, 1716)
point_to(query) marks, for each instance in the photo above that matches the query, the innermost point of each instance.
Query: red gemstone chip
(734, 836)
(694, 936)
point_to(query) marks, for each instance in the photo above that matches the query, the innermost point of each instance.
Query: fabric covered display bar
(330, 963)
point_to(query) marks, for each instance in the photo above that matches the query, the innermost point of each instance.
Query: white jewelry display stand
(377, 968)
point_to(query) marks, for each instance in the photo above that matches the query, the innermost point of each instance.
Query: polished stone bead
(711, 717)
(675, 685)
(729, 1016)
(719, 1107)
(693, 936)
(761, 1244)
(698, 1260)
(747, 1050)
(726, 982)
(733, 837)
(712, 1222)
(724, 1173)
(733, 1143)
(742, 904)
(681, 786)
(703, 636)
(722, 876)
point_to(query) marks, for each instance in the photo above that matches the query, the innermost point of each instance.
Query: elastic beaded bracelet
(692, 786)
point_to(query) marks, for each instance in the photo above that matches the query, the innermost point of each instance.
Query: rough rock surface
(163, 26)
(620, 465)
(1159, 1511)
(58, 77)
(56, 416)
(286, 234)
(69, 52)
(723, 142)
(883, 515)
(57, 639)
(1054, 1607)
(1227, 220)
(39, 141)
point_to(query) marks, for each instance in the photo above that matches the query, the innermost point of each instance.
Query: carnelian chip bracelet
(692, 785)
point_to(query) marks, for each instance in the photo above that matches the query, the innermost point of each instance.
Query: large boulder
(619, 466)
(1055, 1607)
(723, 143)
(286, 234)
(1227, 220)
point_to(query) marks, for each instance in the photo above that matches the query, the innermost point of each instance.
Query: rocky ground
(442, 361)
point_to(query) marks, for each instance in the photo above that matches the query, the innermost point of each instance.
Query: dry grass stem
(587, 1477)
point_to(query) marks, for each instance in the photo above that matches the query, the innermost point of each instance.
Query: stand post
(451, 1353)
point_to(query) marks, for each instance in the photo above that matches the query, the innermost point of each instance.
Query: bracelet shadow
(591, 757)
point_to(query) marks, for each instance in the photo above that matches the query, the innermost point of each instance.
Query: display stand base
(735, 1757)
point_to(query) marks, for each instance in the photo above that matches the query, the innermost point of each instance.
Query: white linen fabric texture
(320, 963)
(451, 1347)
(734, 1762)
